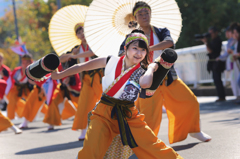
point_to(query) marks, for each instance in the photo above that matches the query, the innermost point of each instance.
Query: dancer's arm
(161, 46)
(145, 81)
(90, 65)
(65, 57)
(88, 53)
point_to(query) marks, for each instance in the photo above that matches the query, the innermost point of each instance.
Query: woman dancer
(115, 112)
(92, 89)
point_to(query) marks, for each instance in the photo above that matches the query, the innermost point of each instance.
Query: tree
(33, 20)
(10, 58)
(198, 16)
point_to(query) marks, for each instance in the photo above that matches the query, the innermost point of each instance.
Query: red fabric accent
(13, 73)
(23, 76)
(119, 67)
(86, 58)
(54, 87)
(8, 70)
(40, 83)
(77, 87)
(121, 82)
(151, 44)
(60, 68)
(3, 85)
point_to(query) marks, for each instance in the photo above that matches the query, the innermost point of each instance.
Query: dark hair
(232, 26)
(138, 31)
(74, 48)
(27, 56)
(140, 4)
(143, 45)
(237, 28)
(78, 29)
(213, 28)
(227, 29)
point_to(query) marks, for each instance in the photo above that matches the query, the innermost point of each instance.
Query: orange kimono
(69, 97)
(19, 91)
(182, 110)
(116, 114)
(4, 122)
(181, 104)
(33, 104)
(90, 94)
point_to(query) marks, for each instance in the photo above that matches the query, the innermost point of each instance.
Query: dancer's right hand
(55, 75)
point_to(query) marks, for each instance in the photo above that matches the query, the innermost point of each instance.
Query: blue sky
(7, 4)
(4, 4)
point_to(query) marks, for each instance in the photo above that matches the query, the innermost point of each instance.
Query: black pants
(218, 83)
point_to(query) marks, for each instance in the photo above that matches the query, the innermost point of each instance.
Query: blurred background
(33, 17)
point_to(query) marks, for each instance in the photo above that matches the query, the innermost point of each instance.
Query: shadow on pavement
(218, 106)
(55, 130)
(184, 147)
(29, 128)
(229, 121)
(176, 148)
(52, 148)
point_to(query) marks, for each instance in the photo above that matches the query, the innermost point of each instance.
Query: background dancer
(67, 92)
(38, 101)
(4, 121)
(19, 88)
(181, 104)
(91, 80)
(4, 74)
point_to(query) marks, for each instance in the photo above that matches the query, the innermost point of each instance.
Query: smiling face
(80, 34)
(143, 18)
(134, 53)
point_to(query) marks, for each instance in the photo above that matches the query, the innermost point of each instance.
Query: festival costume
(67, 95)
(6, 72)
(116, 113)
(90, 93)
(19, 90)
(39, 102)
(5, 75)
(181, 104)
(4, 121)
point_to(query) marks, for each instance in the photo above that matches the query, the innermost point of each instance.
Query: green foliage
(10, 58)
(198, 16)
(34, 17)
(33, 20)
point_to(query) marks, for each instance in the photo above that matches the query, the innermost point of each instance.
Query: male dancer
(181, 104)
(19, 88)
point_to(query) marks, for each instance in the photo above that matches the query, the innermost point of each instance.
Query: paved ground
(220, 120)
